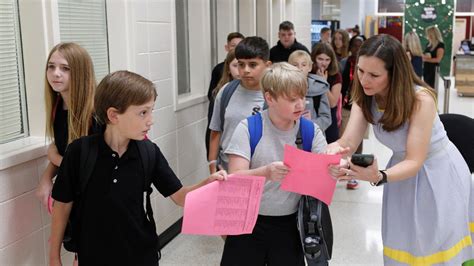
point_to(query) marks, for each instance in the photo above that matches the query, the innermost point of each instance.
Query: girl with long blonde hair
(69, 94)
(412, 46)
(433, 54)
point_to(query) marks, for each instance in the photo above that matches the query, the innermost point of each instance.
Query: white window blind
(85, 23)
(12, 90)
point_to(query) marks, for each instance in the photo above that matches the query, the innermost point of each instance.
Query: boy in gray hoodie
(317, 102)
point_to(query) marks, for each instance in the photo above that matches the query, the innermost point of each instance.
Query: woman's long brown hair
(401, 98)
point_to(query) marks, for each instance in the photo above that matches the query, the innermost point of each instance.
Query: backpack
(313, 220)
(88, 157)
(225, 98)
(317, 98)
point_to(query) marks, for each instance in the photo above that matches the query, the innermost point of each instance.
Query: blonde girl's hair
(300, 54)
(283, 79)
(434, 36)
(325, 48)
(226, 74)
(81, 92)
(411, 43)
(344, 52)
(401, 99)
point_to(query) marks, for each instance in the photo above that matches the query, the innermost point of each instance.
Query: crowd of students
(342, 86)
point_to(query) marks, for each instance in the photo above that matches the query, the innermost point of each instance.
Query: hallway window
(193, 49)
(85, 23)
(182, 46)
(12, 88)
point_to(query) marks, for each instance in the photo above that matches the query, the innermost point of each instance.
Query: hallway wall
(142, 38)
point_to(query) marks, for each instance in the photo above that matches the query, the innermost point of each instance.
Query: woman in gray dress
(428, 201)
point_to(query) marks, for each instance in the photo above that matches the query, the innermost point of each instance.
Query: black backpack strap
(316, 103)
(314, 220)
(146, 148)
(225, 98)
(89, 152)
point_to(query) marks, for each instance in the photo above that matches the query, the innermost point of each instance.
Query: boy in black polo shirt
(113, 228)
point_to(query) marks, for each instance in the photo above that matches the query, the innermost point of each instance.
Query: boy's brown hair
(286, 25)
(283, 79)
(120, 90)
(234, 35)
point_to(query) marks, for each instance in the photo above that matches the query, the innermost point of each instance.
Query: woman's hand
(336, 148)
(276, 171)
(369, 173)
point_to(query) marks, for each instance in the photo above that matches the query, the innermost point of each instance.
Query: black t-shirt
(60, 129)
(114, 227)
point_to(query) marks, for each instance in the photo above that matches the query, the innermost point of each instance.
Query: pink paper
(224, 207)
(309, 174)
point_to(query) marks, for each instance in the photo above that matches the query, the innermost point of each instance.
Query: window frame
(22, 100)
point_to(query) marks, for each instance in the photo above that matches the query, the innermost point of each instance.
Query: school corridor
(355, 214)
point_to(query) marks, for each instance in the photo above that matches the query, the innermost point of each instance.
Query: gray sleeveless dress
(427, 219)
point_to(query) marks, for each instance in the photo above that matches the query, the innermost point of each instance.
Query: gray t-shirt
(242, 104)
(275, 202)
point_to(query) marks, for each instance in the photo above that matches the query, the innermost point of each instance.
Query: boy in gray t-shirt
(275, 238)
(252, 54)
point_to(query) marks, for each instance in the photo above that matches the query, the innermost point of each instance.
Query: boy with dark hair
(275, 239)
(287, 43)
(325, 34)
(238, 99)
(233, 39)
(112, 227)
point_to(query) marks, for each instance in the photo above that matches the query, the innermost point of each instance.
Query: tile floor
(356, 217)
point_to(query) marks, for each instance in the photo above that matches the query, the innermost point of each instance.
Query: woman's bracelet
(382, 176)
(212, 162)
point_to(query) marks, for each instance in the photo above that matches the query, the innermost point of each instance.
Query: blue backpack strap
(255, 131)
(307, 133)
(226, 95)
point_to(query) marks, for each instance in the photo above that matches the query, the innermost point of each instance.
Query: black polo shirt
(114, 227)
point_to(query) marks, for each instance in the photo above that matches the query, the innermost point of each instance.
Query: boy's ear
(268, 98)
(268, 63)
(112, 115)
(226, 47)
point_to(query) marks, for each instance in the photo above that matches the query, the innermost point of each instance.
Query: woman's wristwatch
(382, 178)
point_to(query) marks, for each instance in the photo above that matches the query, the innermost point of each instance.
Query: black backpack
(89, 152)
(314, 221)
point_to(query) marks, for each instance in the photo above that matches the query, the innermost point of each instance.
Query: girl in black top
(69, 94)
(433, 54)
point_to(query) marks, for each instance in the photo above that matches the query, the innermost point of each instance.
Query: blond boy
(275, 239)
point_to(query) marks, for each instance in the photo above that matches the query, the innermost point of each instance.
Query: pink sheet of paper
(224, 207)
(309, 173)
